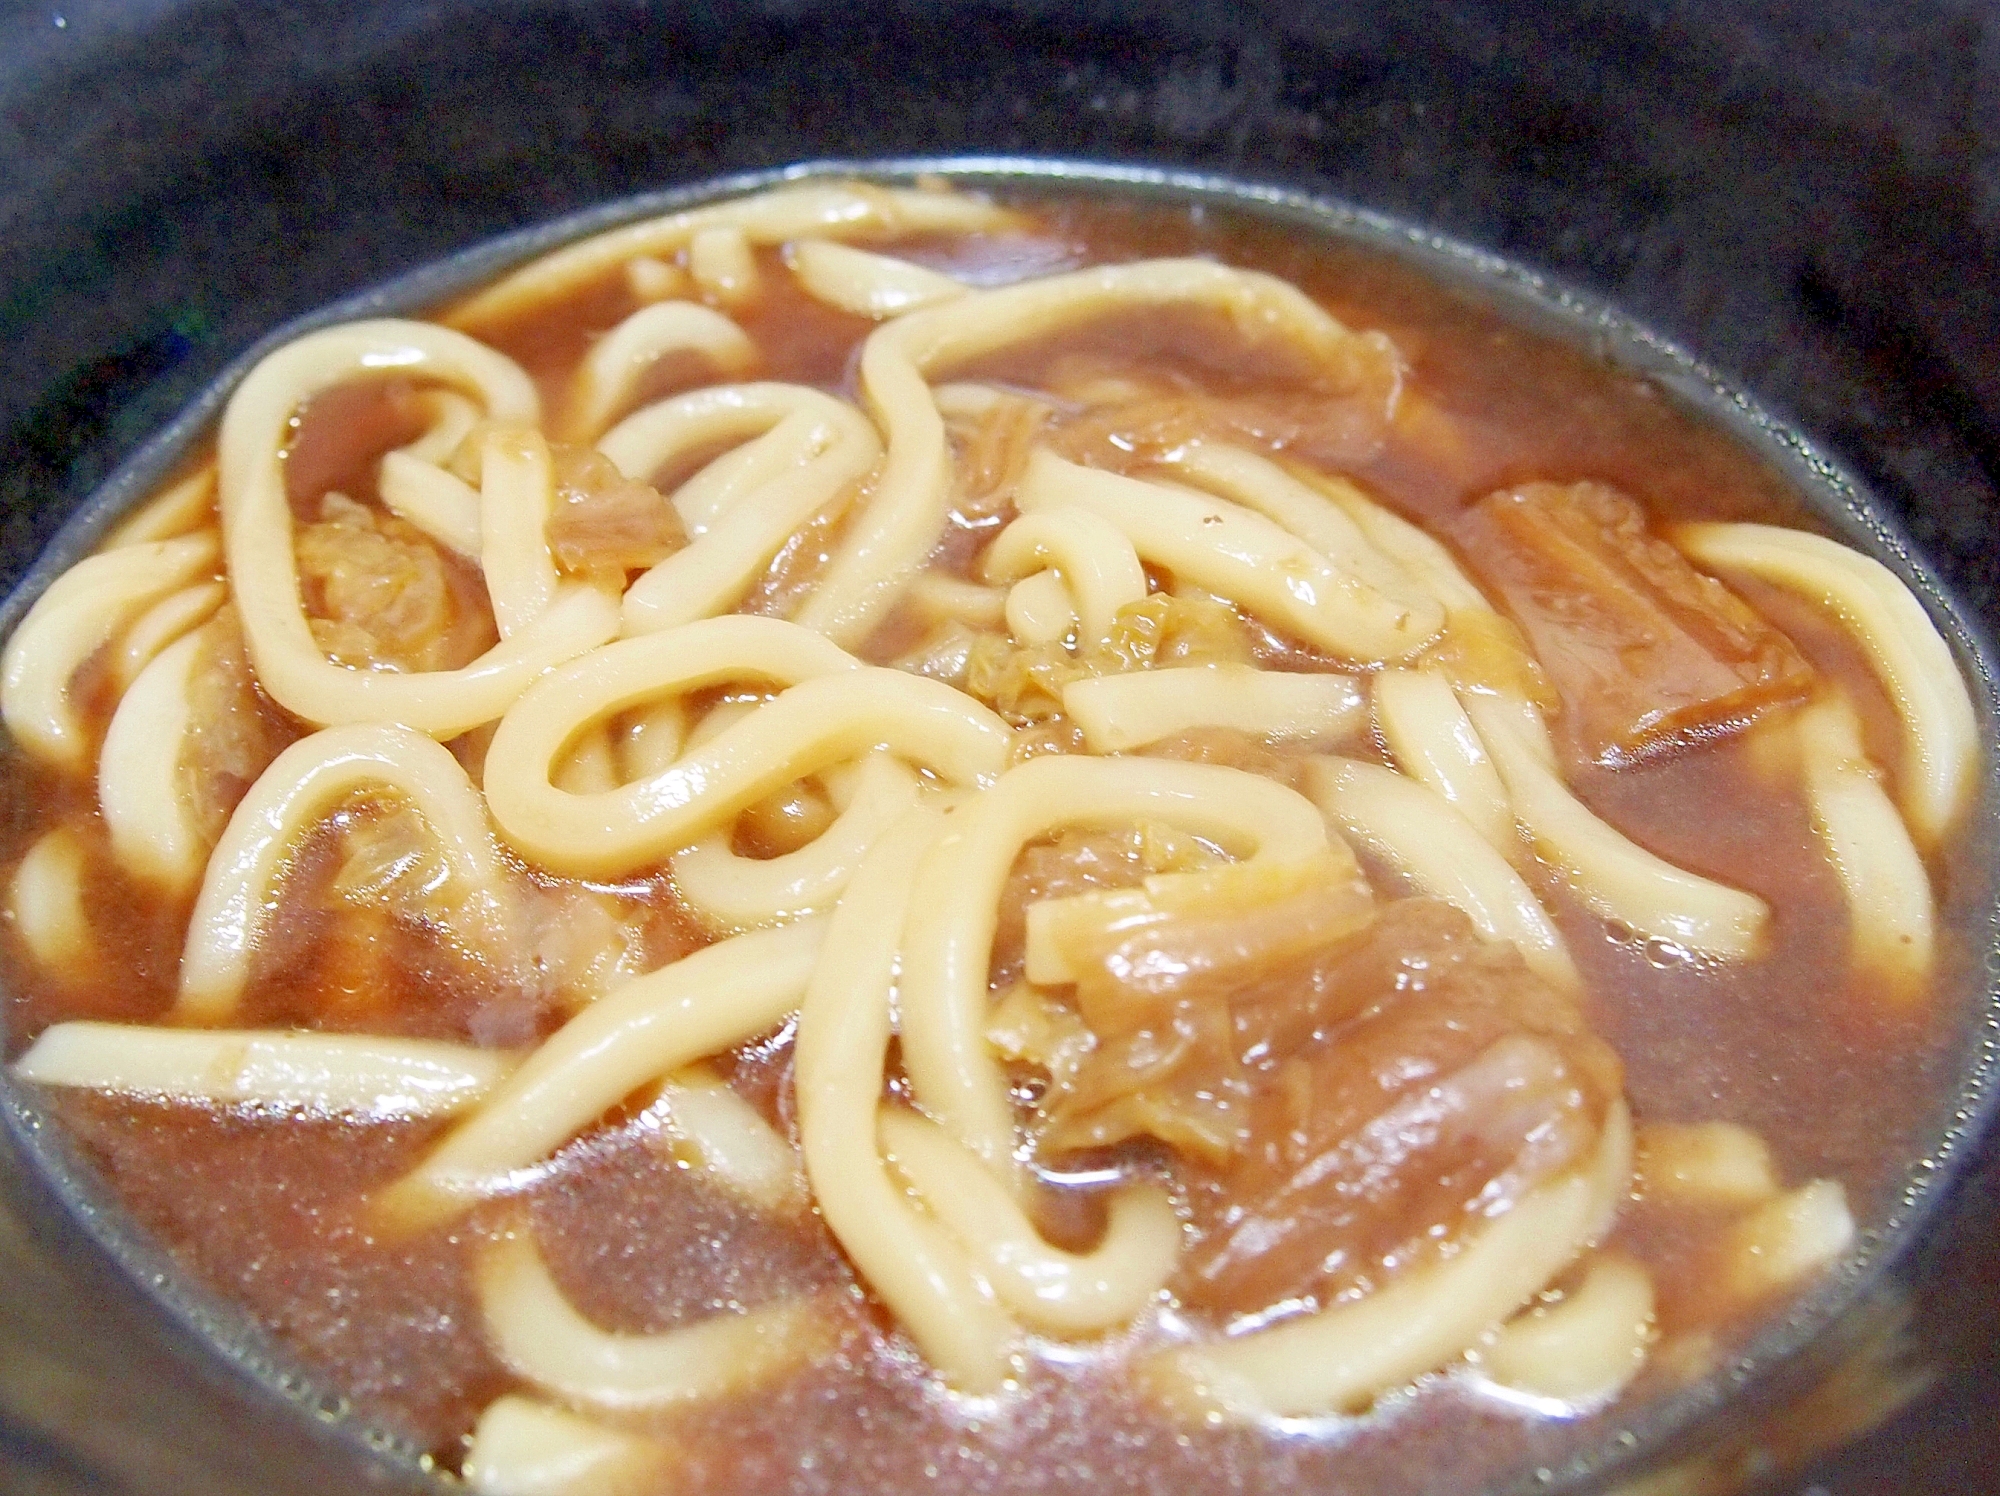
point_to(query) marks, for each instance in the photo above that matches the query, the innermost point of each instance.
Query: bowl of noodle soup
(1035, 763)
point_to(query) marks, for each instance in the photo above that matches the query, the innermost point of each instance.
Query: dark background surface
(1809, 198)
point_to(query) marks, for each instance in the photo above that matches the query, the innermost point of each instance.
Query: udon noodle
(1096, 794)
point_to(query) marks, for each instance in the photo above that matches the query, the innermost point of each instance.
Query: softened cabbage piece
(233, 731)
(1645, 651)
(1164, 630)
(1024, 682)
(1081, 861)
(390, 858)
(1231, 748)
(1136, 411)
(503, 960)
(604, 524)
(380, 596)
(1349, 1087)
(992, 451)
(1484, 652)
(1188, 1001)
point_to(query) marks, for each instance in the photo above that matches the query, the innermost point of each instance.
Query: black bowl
(1816, 209)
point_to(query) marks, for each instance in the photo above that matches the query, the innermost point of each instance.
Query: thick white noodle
(650, 280)
(178, 509)
(1891, 935)
(1257, 483)
(610, 375)
(1705, 1164)
(169, 619)
(452, 419)
(650, 738)
(938, 598)
(1237, 553)
(844, 709)
(440, 503)
(723, 266)
(1421, 558)
(1909, 656)
(1585, 1348)
(639, 1032)
(949, 942)
(716, 1131)
(769, 429)
(909, 1260)
(1066, 1293)
(47, 904)
(82, 611)
(967, 400)
(890, 535)
(521, 1447)
(358, 1076)
(516, 501)
(414, 484)
(1786, 1240)
(1099, 570)
(541, 1337)
(1614, 876)
(1416, 832)
(516, 497)
(1039, 610)
(833, 210)
(154, 833)
(589, 766)
(257, 532)
(1469, 617)
(800, 451)
(1121, 712)
(1345, 1357)
(314, 775)
(1432, 740)
(637, 678)
(867, 284)
(738, 893)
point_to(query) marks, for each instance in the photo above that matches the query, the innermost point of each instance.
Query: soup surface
(866, 839)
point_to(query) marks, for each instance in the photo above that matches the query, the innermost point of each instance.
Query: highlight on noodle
(1027, 779)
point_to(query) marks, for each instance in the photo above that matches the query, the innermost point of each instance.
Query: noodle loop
(903, 517)
(949, 942)
(1239, 554)
(742, 507)
(82, 610)
(307, 780)
(642, 1031)
(615, 365)
(257, 533)
(833, 708)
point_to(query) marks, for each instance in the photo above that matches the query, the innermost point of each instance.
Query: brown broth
(269, 1212)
